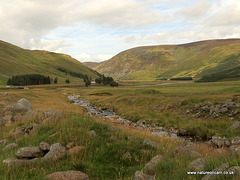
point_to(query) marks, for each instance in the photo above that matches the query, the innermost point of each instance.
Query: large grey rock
(57, 151)
(10, 147)
(68, 175)
(198, 164)
(22, 105)
(220, 141)
(19, 162)
(141, 176)
(235, 125)
(29, 153)
(150, 143)
(236, 141)
(150, 168)
(223, 167)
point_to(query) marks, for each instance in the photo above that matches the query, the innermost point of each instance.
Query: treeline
(106, 80)
(74, 74)
(182, 79)
(28, 79)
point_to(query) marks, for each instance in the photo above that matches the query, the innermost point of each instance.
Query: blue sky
(96, 30)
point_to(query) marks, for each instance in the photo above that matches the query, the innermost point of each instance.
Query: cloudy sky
(96, 30)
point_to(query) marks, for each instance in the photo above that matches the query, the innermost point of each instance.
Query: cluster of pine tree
(106, 80)
(28, 79)
(74, 74)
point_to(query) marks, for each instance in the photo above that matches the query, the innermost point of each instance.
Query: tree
(9, 82)
(113, 84)
(55, 80)
(67, 81)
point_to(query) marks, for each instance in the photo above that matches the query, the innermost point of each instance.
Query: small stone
(68, 175)
(3, 142)
(7, 120)
(141, 176)
(150, 143)
(198, 164)
(220, 141)
(224, 110)
(45, 147)
(10, 147)
(221, 168)
(150, 168)
(127, 155)
(75, 150)
(57, 151)
(235, 125)
(70, 145)
(92, 133)
(235, 149)
(235, 170)
(29, 153)
(236, 141)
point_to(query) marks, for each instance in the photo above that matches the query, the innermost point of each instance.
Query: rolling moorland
(17, 61)
(197, 59)
(141, 130)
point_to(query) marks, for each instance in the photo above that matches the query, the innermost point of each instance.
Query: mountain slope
(91, 64)
(16, 61)
(195, 59)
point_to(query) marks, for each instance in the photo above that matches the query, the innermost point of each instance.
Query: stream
(94, 111)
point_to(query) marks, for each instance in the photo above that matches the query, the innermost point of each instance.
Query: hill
(195, 59)
(16, 61)
(91, 64)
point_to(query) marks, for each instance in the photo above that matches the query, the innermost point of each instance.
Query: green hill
(195, 59)
(17, 61)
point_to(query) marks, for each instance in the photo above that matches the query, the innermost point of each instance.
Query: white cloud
(83, 57)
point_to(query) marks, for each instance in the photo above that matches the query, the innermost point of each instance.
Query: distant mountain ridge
(17, 61)
(91, 64)
(196, 59)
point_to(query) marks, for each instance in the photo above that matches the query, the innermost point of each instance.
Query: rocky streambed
(94, 111)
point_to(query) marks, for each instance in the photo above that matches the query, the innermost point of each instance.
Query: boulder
(150, 168)
(45, 147)
(141, 176)
(17, 118)
(236, 141)
(22, 105)
(220, 141)
(57, 151)
(29, 153)
(150, 143)
(235, 170)
(235, 125)
(68, 175)
(235, 149)
(75, 150)
(7, 120)
(223, 167)
(198, 164)
(10, 147)
(19, 162)
(25, 130)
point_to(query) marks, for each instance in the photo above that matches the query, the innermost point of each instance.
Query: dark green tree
(55, 80)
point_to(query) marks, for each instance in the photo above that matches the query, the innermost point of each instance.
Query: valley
(116, 134)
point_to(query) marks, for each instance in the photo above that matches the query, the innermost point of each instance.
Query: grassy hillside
(195, 59)
(15, 61)
(91, 64)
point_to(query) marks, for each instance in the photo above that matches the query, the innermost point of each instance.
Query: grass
(102, 157)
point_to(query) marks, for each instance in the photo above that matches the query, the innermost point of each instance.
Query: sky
(96, 30)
